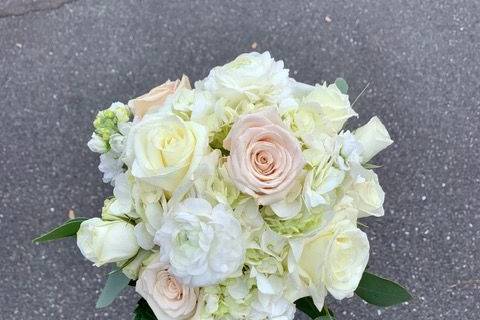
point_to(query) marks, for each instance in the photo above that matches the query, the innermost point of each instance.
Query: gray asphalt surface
(61, 63)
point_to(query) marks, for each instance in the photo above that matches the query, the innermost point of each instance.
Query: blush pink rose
(156, 97)
(167, 297)
(265, 158)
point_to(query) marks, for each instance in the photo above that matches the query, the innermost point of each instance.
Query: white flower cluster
(235, 198)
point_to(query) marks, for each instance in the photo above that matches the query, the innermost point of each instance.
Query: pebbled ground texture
(62, 61)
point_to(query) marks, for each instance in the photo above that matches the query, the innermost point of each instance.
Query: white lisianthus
(252, 77)
(334, 261)
(324, 110)
(164, 150)
(97, 144)
(366, 191)
(373, 137)
(203, 245)
(106, 241)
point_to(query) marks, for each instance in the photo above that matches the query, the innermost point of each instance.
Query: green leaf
(306, 305)
(68, 229)
(116, 282)
(342, 85)
(371, 166)
(143, 311)
(381, 292)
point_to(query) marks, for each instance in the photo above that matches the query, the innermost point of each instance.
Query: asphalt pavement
(62, 61)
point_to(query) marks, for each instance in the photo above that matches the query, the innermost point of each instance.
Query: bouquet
(239, 198)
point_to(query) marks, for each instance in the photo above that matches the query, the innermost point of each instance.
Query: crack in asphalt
(34, 7)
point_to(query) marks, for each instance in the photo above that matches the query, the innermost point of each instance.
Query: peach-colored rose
(166, 296)
(265, 158)
(156, 97)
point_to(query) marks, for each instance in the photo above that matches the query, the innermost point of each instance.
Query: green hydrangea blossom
(304, 223)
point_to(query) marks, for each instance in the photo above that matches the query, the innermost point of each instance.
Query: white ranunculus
(251, 77)
(373, 137)
(366, 191)
(96, 144)
(165, 151)
(106, 241)
(203, 245)
(334, 260)
(167, 296)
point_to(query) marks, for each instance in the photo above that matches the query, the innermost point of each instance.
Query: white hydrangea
(203, 245)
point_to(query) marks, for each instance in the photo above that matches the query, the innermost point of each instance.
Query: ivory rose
(334, 261)
(165, 151)
(156, 97)
(168, 298)
(265, 158)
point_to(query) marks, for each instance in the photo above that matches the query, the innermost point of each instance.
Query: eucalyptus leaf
(143, 311)
(342, 85)
(68, 229)
(381, 292)
(116, 282)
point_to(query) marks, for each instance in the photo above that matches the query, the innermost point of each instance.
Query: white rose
(106, 241)
(251, 77)
(334, 260)
(166, 295)
(373, 137)
(364, 188)
(165, 151)
(203, 245)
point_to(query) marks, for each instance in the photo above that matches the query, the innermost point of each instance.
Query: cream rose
(168, 297)
(334, 261)
(104, 242)
(265, 158)
(156, 97)
(165, 151)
